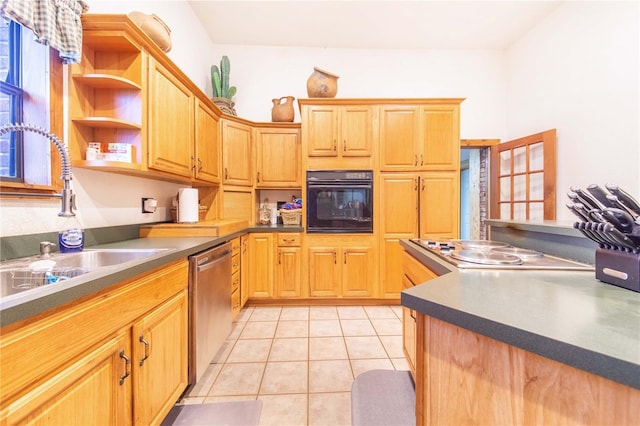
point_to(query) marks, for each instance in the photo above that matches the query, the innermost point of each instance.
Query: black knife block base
(618, 268)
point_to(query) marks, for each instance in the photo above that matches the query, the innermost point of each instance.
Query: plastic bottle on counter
(71, 239)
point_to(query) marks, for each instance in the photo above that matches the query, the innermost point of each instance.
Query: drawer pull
(127, 367)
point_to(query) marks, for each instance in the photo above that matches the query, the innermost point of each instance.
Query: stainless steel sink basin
(23, 274)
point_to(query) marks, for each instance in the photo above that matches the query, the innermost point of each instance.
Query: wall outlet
(149, 205)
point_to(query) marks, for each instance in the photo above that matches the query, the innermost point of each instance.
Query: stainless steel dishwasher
(209, 307)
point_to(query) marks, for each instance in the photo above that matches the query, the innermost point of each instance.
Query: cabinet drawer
(235, 263)
(415, 271)
(289, 239)
(235, 281)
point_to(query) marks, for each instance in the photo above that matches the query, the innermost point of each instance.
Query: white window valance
(55, 23)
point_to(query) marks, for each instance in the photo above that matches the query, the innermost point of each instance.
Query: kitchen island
(516, 347)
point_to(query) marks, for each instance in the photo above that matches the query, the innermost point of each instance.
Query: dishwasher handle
(210, 264)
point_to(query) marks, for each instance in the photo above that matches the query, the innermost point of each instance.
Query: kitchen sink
(26, 273)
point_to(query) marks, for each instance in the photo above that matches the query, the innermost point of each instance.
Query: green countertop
(566, 316)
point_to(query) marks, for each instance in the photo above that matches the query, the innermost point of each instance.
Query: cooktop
(487, 254)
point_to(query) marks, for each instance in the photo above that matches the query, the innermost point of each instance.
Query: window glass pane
(536, 211)
(505, 162)
(505, 189)
(520, 211)
(505, 211)
(4, 49)
(520, 188)
(536, 156)
(536, 186)
(520, 160)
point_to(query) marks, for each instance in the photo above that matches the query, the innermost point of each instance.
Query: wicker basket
(291, 217)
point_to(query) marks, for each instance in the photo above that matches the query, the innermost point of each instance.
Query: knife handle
(624, 198)
(586, 198)
(600, 195)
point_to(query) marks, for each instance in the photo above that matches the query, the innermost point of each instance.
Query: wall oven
(339, 201)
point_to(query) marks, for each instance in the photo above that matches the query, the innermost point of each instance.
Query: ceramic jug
(282, 111)
(322, 84)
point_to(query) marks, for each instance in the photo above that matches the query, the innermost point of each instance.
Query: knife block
(618, 268)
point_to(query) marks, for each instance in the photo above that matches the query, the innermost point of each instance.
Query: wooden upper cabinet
(439, 205)
(207, 144)
(440, 137)
(399, 137)
(171, 122)
(236, 153)
(278, 160)
(338, 134)
(420, 137)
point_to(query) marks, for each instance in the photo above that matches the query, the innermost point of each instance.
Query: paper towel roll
(187, 205)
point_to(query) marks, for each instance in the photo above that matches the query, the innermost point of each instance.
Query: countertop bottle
(71, 238)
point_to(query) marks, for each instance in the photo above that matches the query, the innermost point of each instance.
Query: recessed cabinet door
(94, 389)
(288, 272)
(160, 360)
(207, 144)
(322, 131)
(441, 137)
(356, 135)
(357, 264)
(171, 122)
(236, 154)
(278, 158)
(439, 201)
(399, 137)
(324, 272)
(261, 265)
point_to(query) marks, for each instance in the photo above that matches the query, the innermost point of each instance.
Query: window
(29, 94)
(523, 178)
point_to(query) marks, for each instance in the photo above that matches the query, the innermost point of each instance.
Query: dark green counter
(566, 316)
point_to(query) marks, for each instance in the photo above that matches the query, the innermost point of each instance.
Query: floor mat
(234, 413)
(383, 398)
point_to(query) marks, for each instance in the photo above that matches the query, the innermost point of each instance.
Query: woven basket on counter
(291, 217)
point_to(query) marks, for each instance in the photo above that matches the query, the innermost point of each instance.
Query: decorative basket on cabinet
(291, 217)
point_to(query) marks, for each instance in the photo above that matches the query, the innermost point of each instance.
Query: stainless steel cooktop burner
(486, 257)
(486, 254)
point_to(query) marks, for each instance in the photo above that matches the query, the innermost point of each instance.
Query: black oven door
(340, 207)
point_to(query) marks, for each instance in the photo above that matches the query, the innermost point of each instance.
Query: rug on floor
(232, 413)
(383, 398)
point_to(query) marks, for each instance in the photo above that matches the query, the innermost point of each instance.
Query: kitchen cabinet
(288, 269)
(421, 136)
(338, 134)
(236, 248)
(261, 265)
(278, 161)
(341, 266)
(413, 273)
(416, 205)
(244, 269)
(171, 122)
(464, 377)
(237, 153)
(84, 363)
(207, 144)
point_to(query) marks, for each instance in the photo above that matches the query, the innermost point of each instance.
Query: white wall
(577, 71)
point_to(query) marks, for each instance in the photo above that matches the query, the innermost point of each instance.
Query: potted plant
(222, 93)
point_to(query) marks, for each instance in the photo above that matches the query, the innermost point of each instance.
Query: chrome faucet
(68, 197)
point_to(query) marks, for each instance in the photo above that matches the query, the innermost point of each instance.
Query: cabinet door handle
(193, 163)
(279, 258)
(287, 240)
(258, 177)
(416, 186)
(334, 145)
(127, 367)
(199, 165)
(421, 160)
(415, 161)
(423, 185)
(146, 350)
(335, 258)
(344, 257)
(344, 145)
(226, 173)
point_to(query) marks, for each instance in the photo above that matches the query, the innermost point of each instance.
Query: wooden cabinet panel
(441, 136)
(321, 131)
(160, 340)
(356, 272)
(236, 153)
(261, 264)
(399, 137)
(207, 144)
(324, 274)
(399, 204)
(171, 123)
(466, 378)
(439, 205)
(278, 161)
(288, 280)
(244, 269)
(85, 392)
(356, 125)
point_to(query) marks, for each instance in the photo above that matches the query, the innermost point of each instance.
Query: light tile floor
(301, 361)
